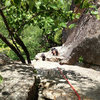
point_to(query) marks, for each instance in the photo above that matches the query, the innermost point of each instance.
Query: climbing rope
(69, 83)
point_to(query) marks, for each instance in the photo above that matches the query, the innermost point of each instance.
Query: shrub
(32, 37)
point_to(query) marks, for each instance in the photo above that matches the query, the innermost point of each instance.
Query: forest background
(28, 27)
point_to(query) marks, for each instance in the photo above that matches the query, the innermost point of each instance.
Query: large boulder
(54, 87)
(19, 82)
(83, 41)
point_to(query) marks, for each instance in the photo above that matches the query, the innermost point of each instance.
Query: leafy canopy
(49, 15)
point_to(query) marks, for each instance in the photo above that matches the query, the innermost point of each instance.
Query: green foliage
(77, 16)
(58, 37)
(32, 37)
(35, 71)
(3, 28)
(94, 11)
(16, 16)
(98, 16)
(93, 6)
(71, 26)
(12, 55)
(81, 59)
(86, 4)
(39, 22)
(52, 14)
(49, 15)
(1, 78)
(83, 3)
(7, 3)
(6, 50)
(3, 47)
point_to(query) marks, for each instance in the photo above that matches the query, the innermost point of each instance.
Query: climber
(43, 57)
(54, 51)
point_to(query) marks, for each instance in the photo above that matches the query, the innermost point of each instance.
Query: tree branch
(6, 23)
(16, 37)
(9, 30)
(12, 47)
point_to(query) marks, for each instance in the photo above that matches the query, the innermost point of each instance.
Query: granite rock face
(18, 82)
(54, 87)
(83, 41)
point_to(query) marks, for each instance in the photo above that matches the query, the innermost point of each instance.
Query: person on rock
(54, 51)
(43, 57)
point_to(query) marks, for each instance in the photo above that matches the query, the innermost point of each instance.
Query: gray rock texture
(18, 82)
(86, 81)
(83, 41)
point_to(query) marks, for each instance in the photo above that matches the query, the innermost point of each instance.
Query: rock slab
(83, 41)
(86, 81)
(18, 81)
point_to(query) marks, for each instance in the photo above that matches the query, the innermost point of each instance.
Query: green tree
(50, 15)
(17, 13)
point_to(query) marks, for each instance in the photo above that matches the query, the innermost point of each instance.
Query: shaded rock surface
(18, 82)
(4, 59)
(52, 86)
(83, 41)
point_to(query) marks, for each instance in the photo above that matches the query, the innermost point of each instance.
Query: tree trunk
(20, 42)
(72, 5)
(12, 47)
(17, 38)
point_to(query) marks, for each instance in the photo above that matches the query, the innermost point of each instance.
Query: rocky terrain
(19, 82)
(82, 41)
(85, 80)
